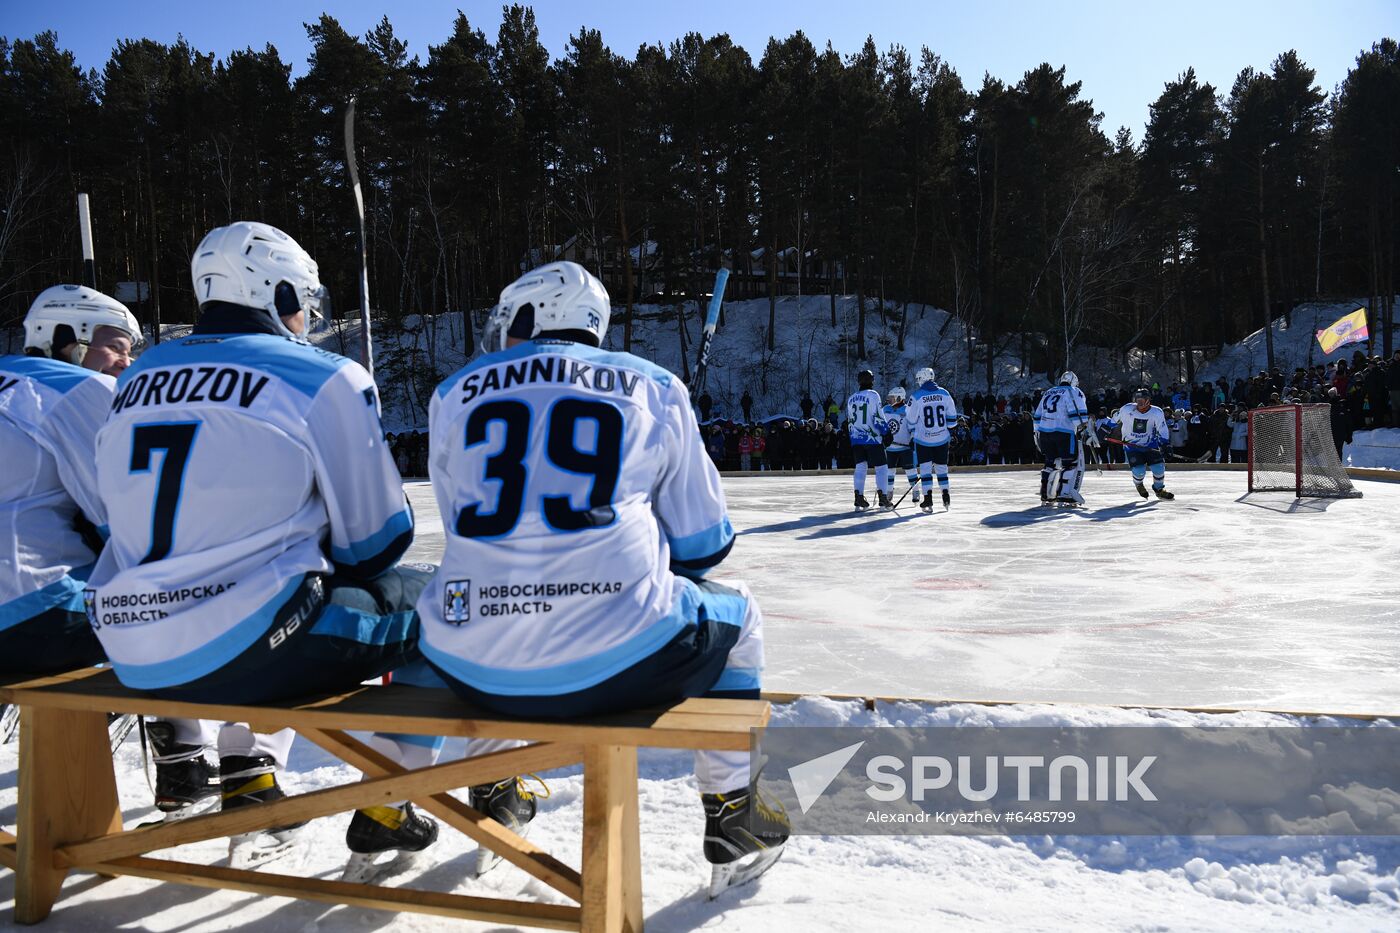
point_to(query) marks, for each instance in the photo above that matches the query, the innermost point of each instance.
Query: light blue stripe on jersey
(422, 741)
(66, 592)
(727, 607)
(373, 546)
(299, 365)
(703, 543)
(51, 374)
(366, 628)
(585, 672)
(577, 351)
(738, 678)
(210, 656)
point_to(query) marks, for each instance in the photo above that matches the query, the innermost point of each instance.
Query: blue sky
(1123, 51)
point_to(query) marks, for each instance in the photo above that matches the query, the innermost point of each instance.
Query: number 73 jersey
(573, 487)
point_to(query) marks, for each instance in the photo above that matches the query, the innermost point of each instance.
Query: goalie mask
(255, 265)
(67, 315)
(561, 297)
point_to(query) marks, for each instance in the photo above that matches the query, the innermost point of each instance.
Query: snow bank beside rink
(1377, 450)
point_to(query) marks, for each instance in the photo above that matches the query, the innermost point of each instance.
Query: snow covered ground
(1213, 599)
(1376, 449)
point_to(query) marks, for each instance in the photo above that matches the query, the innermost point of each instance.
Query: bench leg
(612, 854)
(67, 793)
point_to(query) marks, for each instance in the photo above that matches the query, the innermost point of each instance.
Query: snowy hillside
(822, 883)
(1294, 345)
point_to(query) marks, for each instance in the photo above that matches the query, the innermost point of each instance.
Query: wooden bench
(69, 817)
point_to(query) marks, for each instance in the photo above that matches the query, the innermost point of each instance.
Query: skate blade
(363, 869)
(118, 729)
(183, 813)
(733, 874)
(253, 850)
(486, 859)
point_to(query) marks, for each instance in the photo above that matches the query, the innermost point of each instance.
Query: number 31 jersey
(232, 467)
(573, 486)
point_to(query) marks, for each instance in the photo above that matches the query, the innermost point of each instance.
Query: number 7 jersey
(573, 487)
(234, 469)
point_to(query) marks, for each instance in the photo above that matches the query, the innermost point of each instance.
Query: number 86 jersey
(573, 487)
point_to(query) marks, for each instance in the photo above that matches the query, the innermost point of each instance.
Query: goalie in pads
(581, 516)
(1062, 429)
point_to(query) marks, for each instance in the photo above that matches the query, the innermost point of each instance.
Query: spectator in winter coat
(714, 445)
(1392, 383)
(1176, 425)
(1219, 430)
(1377, 398)
(833, 411)
(746, 403)
(746, 450)
(1239, 437)
(806, 405)
(1341, 423)
(706, 403)
(760, 448)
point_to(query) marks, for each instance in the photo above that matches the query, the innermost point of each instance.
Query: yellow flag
(1350, 329)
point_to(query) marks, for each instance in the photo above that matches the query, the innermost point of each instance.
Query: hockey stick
(366, 347)
(707, 335)
(1165, 453)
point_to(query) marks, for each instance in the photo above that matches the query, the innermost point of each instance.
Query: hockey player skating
(581, 515)
(255, 520)
(930, 417)
(52, 522)
(899, 452)
(867, 445)
(1145, 435)
(1062, 426)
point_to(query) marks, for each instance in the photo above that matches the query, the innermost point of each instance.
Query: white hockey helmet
(559, 296)
(896, 396)
(1069, 379)
(924, 376)
(255, 265)
(79, 308)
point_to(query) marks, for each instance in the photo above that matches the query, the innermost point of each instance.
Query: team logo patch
(90, 607)
(457, 604)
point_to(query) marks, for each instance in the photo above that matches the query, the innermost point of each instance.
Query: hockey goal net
(1291, 450)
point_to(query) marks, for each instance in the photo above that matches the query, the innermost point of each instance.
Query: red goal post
(1291, 450)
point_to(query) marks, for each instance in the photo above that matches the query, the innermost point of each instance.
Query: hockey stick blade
(707, 334)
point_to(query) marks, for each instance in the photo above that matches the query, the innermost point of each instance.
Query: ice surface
(1216, 599)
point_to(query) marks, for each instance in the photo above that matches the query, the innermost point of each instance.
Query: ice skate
(885, 502)
(377, 831)
(947, 500)
(1163, 494)
(248, 781)
(119, 726)
(508, 803)
(744, 835)
(1142, 490)
(186, 782)
(927, 503)
(861, 503)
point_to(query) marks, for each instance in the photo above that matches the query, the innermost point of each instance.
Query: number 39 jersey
(573, 486)
(930, 415)
(232, 466)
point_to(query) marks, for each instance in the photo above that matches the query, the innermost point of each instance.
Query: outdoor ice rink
(1217, 599)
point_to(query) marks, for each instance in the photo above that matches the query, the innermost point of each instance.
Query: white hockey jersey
(931, 415)
(897, 428)
(573, 487)
(232, 467)
(863, 410)
(1143, 429)
(1061, 410)
(49, 508)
